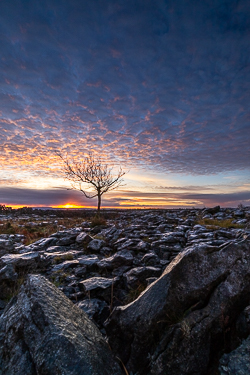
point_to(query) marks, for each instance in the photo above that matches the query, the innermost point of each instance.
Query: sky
(159, 87)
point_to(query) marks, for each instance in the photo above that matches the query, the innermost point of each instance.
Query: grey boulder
(96, 245)
(67, 240)
(121, 258)
(238, 361)
(138, 275)
(42, 332)
(30, 259)
(181, 324)
(83, 238)
(89, 260)
(98, 287)
(8, 273)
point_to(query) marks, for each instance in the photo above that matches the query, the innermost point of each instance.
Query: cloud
(162, 85)
(186, 188)
(33, 197)
(120, 199)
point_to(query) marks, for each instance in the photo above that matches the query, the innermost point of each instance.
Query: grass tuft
(134, 293)
(214, 223)
(58, 277)
(97, 221)
(14, 290)
(63, 257)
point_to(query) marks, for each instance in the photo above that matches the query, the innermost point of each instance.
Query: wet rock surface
(155, 282)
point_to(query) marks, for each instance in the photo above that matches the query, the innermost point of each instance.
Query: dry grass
(215, 224)
(33, 231)
(62, 258)
(58, 277)
(13, 290)
(97, 221)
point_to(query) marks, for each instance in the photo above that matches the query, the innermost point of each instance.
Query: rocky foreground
(150, 293)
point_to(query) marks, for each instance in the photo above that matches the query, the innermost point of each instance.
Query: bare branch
(92, 173)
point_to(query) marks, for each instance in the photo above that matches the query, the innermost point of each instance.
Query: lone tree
(91, 174)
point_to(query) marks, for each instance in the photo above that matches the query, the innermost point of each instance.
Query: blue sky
(159, 87)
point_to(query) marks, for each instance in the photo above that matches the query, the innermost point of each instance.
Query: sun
(69, 205)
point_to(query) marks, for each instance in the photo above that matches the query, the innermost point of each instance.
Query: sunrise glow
(69, 205)
(160, 89)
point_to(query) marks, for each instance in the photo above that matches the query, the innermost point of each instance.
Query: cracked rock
(42, 332)
(186, 311)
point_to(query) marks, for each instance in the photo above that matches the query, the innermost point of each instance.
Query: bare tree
(91, 176)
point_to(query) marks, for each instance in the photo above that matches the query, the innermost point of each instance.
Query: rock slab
(238, 361)
(182, 321)
(43, 332)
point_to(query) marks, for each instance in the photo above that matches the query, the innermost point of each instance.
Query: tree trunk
(99, 203)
